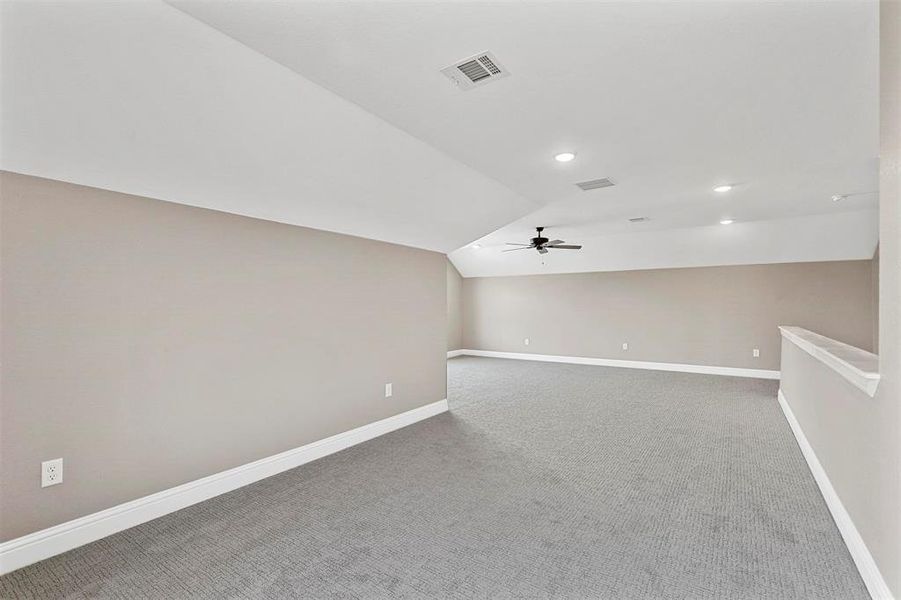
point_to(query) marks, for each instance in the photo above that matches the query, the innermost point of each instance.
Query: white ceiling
(138, 97)
(800, 239)
(667, 99)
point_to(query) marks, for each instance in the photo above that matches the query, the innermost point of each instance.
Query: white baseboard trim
(453, 353)
(33, 547)
(627, 364)
(869, 572)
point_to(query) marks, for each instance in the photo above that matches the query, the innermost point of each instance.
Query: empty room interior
(450, 299)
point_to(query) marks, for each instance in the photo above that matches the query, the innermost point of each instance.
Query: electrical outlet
(51, 472)
(388, 390)
(625, 345)
(526, 341)
(756, 353)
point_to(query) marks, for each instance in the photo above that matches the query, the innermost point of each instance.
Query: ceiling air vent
(595, 184)
(475, 71)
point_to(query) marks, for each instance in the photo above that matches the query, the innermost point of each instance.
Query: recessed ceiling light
(564, 157)
(476, 246)
(838, 198)
(722, 188)
(727, 222)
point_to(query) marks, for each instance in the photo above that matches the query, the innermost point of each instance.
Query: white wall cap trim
(859, 367)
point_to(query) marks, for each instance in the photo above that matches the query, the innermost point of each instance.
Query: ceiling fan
(542, 244)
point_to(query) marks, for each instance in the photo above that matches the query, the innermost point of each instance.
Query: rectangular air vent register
(595, 184)
(476, 70)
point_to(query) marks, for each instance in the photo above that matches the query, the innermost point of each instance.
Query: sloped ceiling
(666, 99)
(138, 97)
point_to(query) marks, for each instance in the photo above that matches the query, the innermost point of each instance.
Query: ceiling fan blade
(566, 247)
(512, 244)
(542, 250)
(515, 249)
(554, 242)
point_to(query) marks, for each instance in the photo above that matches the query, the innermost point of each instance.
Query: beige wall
(826, 406)
(454, 308)
(854, 438)
(874, 265)
(858, 439)
(704, 316)
(882, 531)
(149, 344)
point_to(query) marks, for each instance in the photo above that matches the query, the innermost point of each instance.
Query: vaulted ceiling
(139, 97)
(335, 115)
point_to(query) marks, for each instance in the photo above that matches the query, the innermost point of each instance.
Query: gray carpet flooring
(544, 480)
